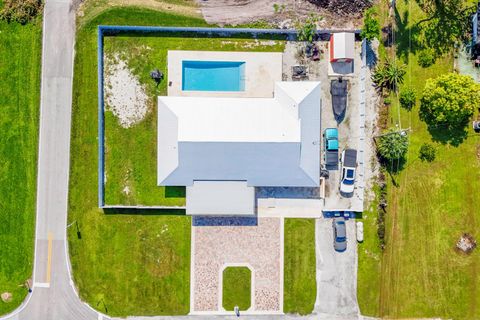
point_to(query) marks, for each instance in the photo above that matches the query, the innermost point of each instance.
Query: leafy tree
(447, 23)
(371, 27)
(392, 145)
(407, 98)
(389, 75)
(449, 100)
(427, 152)
(21, 11)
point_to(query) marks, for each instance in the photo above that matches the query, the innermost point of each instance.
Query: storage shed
(342, 47)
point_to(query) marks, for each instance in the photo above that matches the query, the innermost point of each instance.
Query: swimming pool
(213, 76)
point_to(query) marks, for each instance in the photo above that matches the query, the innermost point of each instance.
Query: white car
(349, 170)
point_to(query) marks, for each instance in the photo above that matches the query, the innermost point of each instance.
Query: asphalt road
(53, 296)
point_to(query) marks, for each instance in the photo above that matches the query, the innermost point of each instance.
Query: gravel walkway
(259, 246)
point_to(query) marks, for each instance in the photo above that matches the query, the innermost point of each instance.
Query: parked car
(339, 234)
(349, 168)
(330, 143)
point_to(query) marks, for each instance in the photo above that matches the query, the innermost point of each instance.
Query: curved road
(53, 295)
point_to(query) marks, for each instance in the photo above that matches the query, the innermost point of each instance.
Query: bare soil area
(279, 12)
(124, 95)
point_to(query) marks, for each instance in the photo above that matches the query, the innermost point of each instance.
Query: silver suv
(339, 234)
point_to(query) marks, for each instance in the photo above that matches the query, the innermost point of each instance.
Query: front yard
(237, 288)
(300, 287)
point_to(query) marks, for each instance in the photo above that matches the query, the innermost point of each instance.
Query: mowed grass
(430, 206)
(131, 160)
(300, 289)
(20, 49)
(237, 288)
(125, 262)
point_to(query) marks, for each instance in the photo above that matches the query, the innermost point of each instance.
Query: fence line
(104, 30)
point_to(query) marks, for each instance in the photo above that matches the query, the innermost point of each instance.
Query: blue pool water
(213, 76)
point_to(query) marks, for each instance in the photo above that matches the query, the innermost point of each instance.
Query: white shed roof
(344, 45)
(263, 141)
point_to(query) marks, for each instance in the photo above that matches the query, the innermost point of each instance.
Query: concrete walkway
(53, 295)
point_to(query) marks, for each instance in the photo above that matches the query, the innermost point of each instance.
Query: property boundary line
(105, 30)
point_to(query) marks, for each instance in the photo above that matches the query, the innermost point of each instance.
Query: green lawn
(131, 160)
(429, 206)
(20, 49)
(237, 288)
(127, 262)
(300, 288)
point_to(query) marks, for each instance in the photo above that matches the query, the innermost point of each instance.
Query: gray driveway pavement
(336, 272)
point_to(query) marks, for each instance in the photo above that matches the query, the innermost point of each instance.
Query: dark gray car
(339, 234)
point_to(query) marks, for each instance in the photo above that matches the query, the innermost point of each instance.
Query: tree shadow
(372, 57)
(444, 134)
(393, 167)
(406, 37)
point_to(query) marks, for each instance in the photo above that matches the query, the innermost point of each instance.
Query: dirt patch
(124, 95)
(6, 297)
(235, 12)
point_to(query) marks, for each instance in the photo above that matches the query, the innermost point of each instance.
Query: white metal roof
(263, 141)
(232, 119)
(344, 45)
(220, 198)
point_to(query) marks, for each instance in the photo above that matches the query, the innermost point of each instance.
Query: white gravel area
(258, 246)
(124, 95)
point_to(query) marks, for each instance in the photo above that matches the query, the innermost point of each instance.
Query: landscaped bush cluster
(21, 11)
(307, 29)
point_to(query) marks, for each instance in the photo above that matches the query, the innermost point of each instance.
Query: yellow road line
(49, 261)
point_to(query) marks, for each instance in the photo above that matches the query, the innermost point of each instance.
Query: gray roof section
(220, 198)
(289, 162)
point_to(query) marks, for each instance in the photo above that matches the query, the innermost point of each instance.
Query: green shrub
(371, 27)
(21, 11)
(427, 152)
(408, 98)
(426, 58)
(306, 31)
(387, 101)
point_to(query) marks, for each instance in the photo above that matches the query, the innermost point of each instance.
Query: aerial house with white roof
(221, 148)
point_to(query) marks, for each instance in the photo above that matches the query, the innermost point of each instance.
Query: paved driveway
(336, 272)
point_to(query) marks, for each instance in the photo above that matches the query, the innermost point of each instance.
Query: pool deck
(262, 69)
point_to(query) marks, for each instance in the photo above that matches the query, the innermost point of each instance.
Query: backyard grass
(237, 288)
(126, 262)
(430, 205)
(20, 49)
(300, 289)
(131, 160)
